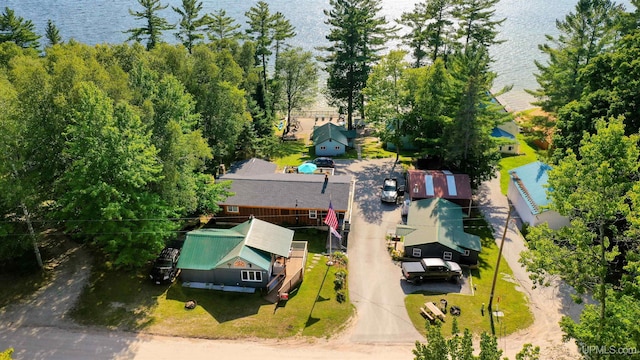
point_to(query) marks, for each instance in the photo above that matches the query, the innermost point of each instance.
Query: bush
(396, 255)
(525, 229)
(340, 258)
(340, 280)
(6, 355)
(341, 296)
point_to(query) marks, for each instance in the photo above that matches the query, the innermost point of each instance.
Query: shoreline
(513, 101)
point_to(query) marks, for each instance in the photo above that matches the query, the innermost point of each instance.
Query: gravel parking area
(464, 286)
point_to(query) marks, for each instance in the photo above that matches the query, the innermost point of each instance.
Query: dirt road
(548, 305)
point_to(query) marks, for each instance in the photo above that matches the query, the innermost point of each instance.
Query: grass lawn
(507, 299)
(292, 153)
(131, 302)
(372, 148)
(528, 155)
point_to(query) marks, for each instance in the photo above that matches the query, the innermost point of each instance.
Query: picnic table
(430, 306)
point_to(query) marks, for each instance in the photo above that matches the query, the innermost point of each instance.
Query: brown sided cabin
(284, 199)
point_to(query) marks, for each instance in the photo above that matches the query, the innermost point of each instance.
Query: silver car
(390, 190)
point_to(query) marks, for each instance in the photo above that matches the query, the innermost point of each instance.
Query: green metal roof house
(331, 140)
(435, 229)
(242, 258)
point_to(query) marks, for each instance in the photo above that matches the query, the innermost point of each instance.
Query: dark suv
(324, 162)
(165, 267)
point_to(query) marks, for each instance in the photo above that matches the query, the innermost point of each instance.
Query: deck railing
(298, 251)
(297, 278)
(276, 280)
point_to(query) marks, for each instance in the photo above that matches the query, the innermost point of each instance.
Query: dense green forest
(115, 145)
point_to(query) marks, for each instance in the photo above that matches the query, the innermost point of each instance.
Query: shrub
(340, 280)
(340, 258)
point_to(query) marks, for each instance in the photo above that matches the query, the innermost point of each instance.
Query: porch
(291, 275)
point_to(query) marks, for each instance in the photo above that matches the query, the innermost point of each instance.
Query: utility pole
(495, 273)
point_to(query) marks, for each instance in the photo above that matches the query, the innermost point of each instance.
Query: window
(248, 275)
(510, 148)
(323, 148)
(313, 214)
(232, 209)
(417, 252)
(337, 148)
(447, 255)
(466, 252)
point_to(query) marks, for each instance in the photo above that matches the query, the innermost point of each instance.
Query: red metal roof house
(427, 184)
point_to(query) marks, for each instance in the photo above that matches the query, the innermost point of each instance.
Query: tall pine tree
(155, 24)
(584, 34)
(191, 24)
(357, 35)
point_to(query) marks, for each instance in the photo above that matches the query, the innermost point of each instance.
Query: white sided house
(528, 194)
(331, 139)
(507, 136)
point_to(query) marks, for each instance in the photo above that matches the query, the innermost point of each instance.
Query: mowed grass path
(527, 155)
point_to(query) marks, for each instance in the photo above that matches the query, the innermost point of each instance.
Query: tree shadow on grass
(289, 148)
(221, 305)
(117, 298)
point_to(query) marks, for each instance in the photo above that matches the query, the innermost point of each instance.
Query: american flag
(332, 221)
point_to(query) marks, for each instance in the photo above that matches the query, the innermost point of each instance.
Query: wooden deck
(294, 272)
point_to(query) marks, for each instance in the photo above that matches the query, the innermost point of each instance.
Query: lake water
(103, 21)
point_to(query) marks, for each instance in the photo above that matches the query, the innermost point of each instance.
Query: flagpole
(330, 262)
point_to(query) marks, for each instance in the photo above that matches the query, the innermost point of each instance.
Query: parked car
(324, 162)
(165, 267)
(391, 191)
(431, 269)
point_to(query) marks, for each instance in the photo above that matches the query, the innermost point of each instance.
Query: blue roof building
(529, 195)
(506, 135)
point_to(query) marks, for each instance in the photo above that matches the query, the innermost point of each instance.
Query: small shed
(507, 136)
(435, 229)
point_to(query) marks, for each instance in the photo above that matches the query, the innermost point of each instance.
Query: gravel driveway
(375, 282)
